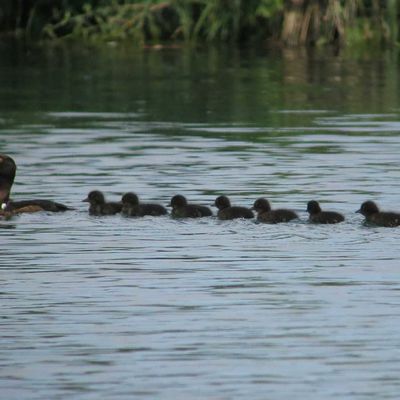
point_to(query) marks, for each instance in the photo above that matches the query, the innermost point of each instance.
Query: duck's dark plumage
(269, 216)
(131, 207)
(37, 204)
(380, 218)
(99, 206)
(226, 211)
(317, 216)
(181, 208)
(8, 170)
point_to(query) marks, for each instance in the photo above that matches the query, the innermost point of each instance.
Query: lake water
(155, 308)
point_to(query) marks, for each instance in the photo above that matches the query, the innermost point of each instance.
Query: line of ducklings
(130, 206)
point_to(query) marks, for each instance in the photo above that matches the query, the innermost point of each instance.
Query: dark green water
(155, 308)
(217, 85)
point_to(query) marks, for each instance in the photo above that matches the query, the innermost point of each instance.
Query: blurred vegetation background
(288, 22)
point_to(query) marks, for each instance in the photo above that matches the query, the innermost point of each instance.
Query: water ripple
(162, 308)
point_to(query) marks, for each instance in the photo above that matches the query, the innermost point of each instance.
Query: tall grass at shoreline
(288, 22)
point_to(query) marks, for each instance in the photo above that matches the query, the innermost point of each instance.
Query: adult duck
(8, 169)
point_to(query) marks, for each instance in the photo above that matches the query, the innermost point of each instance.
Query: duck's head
(130, 198)
(222, 202)
(261, 205)
(313, 207)
(368, 208)
(8, 169)
(178, 201)
(95, 197)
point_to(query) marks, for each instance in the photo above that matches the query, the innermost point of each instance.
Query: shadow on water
(161, 308)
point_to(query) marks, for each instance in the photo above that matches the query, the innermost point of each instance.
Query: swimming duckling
(98, 205)
(226, 211)
(380, 218)
(181, 208)
(132, 208)
(266, 215)
(317, 216)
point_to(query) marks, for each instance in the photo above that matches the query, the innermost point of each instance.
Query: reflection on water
(164, 309)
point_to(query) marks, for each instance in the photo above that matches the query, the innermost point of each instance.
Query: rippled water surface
(96, 308)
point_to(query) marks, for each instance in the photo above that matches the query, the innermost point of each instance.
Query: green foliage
(372, 23)
(226, 19)
(219, 19)
(306, 22)
(349, 22)
(136, 20)
(192, 20)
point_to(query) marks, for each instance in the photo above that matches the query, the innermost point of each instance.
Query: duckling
(132, 208)
(317, 216)
(226, 211)
(98, 205)
(181, 208)
(269, 216)
(380, 218)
